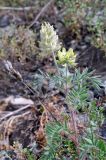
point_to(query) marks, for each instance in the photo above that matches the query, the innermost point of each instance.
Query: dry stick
(10, 121)
(15, 112)
(103, 138)
(17, 8)
(41, 12)
(29, 87)
(83, 53)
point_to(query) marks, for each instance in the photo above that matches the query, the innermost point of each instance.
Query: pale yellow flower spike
(49, 40)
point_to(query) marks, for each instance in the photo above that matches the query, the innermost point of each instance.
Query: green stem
(66, 78)
(54, 58)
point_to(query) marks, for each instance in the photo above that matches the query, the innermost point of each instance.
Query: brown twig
(41, 12)
(9, 127)
(15, 112)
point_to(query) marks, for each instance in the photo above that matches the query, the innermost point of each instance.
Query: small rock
(98, 94)
(83, 47)
(87, 39)
(73, 44)
(5, 21)
(9, 30)
(17, 21)
(90, 95)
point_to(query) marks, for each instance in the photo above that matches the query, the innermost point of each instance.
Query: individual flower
(49, 41)
(66, 57)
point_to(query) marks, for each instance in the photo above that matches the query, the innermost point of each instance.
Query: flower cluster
(66, 57)
(49, 41)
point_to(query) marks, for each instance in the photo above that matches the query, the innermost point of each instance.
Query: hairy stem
(54, 58)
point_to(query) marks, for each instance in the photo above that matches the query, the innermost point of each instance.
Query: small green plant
(29, 155)
(78, 95)
(76, 88)
(91, 146)
(58, 145)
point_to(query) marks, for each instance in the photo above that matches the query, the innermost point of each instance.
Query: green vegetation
(89, 13)
(60, 141)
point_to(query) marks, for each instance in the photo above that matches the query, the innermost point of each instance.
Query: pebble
(87, 39)
(9, 30)
(83, 47)
(90, 95)
(74, 44)
(4, 21)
